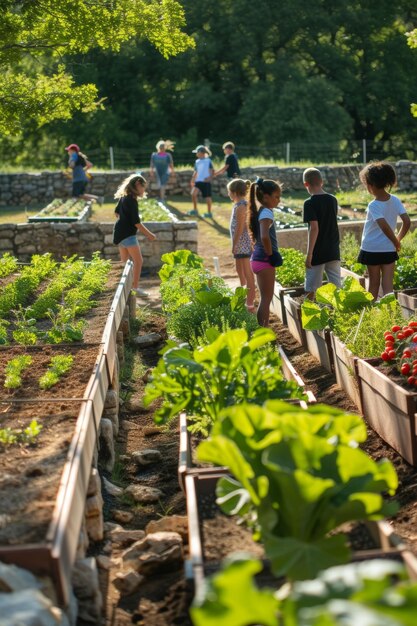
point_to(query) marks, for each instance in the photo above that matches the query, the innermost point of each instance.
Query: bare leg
(209, 204)
(240, 271)
(89, 196)
(388, 278)
(194, 195)
(266, 281)
(133, 253)
(250, 283)
(374, 272)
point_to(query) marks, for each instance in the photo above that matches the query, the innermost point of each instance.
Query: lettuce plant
(14, 369)
(292, 271)
(298, 475)
(59, 365)
(173, 260)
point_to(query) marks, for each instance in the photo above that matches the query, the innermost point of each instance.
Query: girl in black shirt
(128, 223)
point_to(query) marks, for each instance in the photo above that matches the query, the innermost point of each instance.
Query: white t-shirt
(373, 239)
(203, 167)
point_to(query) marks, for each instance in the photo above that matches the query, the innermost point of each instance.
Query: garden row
(290, 470)
(61, 327)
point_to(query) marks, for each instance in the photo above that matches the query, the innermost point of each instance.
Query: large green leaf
(313, 316)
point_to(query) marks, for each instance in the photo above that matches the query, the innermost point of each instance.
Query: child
(128, 223)
(323, 251)
(201, 179)
(380, 246)
(264, 195)
(241, 242)
(231, 163)
(162, 164)
(80, 165)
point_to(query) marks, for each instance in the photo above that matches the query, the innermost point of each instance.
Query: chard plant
(24, 436)
(14, 370)
(232, 369)
(374, 592)
(58, 367)
(297, 476)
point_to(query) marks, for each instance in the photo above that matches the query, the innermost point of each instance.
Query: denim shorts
(129, 242)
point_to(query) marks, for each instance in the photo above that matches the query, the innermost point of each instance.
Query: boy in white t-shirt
(380, 246)
(201, 179)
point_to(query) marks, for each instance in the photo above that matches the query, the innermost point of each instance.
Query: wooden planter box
(389, 408)
(54, 553)
(293, 315)
(196, 487)
(319, 345)
(407, 299)
(278, 300)
(345, 369)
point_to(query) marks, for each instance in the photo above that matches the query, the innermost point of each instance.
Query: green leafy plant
(59, 365)
(172, 260)
(17, 293)
(25, 332)
(297, 476)
(292, 271)
(26, 436)
(349, 250)
(14, 369)
(63, 326)
(3, 332)
(232, 369)
(184, 282)
(8, 265)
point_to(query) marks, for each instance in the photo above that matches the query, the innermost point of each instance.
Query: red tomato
(400, 335)
(414, 338)
(414, 370)
(394, 329)
(412, 324)
(384, 356)
(415, 362)
(389, 337)
(391, 354)
(405, 369)
(411, 380)
(389, 345)
(408, 332)
(406, 354)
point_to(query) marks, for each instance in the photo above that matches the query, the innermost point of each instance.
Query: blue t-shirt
(78, 173)
(259, 253)
(204, 169)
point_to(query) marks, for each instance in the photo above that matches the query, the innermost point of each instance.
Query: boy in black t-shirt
(323, 250)
(231, 163)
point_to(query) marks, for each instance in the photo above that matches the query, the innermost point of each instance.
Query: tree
(412, 42)
(35, 81)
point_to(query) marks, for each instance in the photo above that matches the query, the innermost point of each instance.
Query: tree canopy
(39, 37)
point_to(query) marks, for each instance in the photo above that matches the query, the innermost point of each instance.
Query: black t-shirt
(322, 208)
(233, 166)
(128, 212)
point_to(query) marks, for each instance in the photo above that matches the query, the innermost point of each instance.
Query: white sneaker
(140, 292)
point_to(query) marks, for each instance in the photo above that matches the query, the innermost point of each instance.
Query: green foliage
(37, 35)
(182, 260)
(59, 365)
(367, 593)
(232, 369)
(292, 271)
(23, 436)
(405, 275)
(349, 250)
(14, 369)
(17, 293)
(8, 265)
(297, 476)
(183, 282)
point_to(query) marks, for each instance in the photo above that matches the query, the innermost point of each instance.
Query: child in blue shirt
(201, 179)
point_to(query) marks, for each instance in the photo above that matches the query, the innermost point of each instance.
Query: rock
(173, 523)
(127, 582)
(154, 553)
(13, 578)
(142, 493)
(111, 489)
(103, 562)
(126, 424)
(29, 606)
(147, 340)
(126, 537)
(146, 457)
(123, 517)
(86, 588)
(150, 431)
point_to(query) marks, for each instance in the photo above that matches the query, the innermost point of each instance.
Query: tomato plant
(401, 350)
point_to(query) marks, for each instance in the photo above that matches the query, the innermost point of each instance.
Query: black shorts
(242, 256)
(78, 188)
(377, 258)
(205, 188)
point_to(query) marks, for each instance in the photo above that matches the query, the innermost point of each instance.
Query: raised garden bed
(407, 299)
(318, 343)
(389, 408)
(44, 486)
(293, 315)
(345, 370)
(71, 210)
(278, 299)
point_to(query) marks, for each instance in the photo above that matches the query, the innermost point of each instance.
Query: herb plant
(25, 436)
(59, 365)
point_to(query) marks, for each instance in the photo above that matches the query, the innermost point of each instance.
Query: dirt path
(163, 599)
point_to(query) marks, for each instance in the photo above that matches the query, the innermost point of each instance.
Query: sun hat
(202, 148)
(72, 146)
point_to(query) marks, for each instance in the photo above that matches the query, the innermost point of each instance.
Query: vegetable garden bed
(44, 481)
(67, 211)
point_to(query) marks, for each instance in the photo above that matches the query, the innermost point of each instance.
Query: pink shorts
(258, 266)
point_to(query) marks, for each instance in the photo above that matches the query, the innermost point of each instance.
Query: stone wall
(61, 240)
(38, 189)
